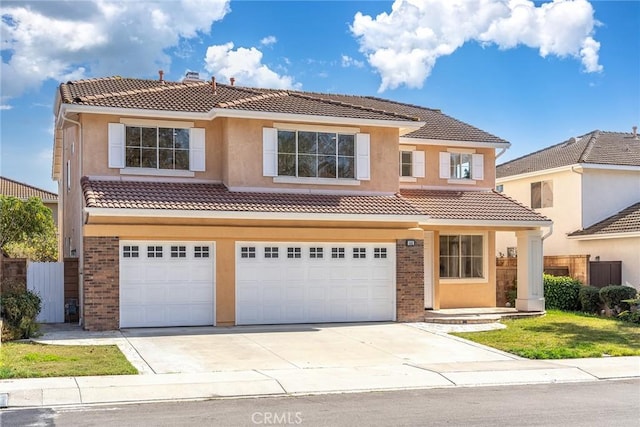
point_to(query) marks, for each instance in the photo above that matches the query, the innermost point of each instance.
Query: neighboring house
(10, 187)
(200, 203)
(590, 187)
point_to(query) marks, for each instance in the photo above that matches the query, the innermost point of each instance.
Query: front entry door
(428, 269)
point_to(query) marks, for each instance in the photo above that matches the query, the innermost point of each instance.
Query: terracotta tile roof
(9, 187)
(216, 197)
(597, 147)
(625, 221)
(465, 205)
(470, 205)
(199, 97)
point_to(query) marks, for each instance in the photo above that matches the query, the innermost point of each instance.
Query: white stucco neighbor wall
(606, 192)
(565, 213)
(626, 250)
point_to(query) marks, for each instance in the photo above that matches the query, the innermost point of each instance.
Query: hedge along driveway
(562, 335)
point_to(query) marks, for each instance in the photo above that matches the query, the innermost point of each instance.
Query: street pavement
(208, 363)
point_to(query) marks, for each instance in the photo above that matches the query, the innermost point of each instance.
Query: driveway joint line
(75, 380)
(441, 374)
(284, 390)
(138, 353)
(270, 351)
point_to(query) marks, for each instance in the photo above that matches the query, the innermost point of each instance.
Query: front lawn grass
(32, 360)
(562, 335)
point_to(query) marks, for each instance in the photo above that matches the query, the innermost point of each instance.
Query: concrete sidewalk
(48, 392)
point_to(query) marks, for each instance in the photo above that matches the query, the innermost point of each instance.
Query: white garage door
(166, 284)
(314, 282)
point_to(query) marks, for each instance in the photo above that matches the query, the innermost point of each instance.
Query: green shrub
(19, 307)
(613, 297)
(630, 316)
(561, 293)
(590, 301)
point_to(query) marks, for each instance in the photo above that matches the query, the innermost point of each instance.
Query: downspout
(501, 152)
(80, 241)
(581, 173)
(548, 233)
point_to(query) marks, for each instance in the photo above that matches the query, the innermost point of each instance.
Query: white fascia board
(308, 118)
(605, 236)
(609, 167)
(453, 143)
(485, 223)
(537, 173)
(138, 112)
(286, 216)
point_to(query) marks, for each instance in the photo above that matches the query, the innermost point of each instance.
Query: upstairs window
(300, 155)
(316, 154)
(156, 148)
(412, 164)
(542, 194)
(149, 148)
(461, 165)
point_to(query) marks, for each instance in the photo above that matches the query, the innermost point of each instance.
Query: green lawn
(31, 360)
(562, 335)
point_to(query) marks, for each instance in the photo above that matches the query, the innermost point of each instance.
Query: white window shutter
(445, 165)
(477, 166)
(269, 152)
(363, 168)
(116, 145)
(197, 153)
(417, 158)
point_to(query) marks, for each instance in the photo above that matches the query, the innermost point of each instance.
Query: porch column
(530, 266)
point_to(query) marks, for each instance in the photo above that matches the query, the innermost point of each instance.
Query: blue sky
(534, 74)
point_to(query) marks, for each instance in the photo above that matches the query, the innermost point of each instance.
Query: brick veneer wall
(410, 281)
(101, 285)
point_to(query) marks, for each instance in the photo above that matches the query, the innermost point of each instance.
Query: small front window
(154, 251)
(316, 253)
(461, 165)
(359, 252)
(337, 253)
(406, 163)
(247, 252)
(461, 256)
(201, 252)
(178, 251)
(130, 252)
(294, 253)
(379, 252)
(271, 252)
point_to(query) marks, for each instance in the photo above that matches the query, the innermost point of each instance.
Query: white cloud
(269, 40)
(61, 41)
(5, 107)
(403, 45)
(246, 66)
(348, 61)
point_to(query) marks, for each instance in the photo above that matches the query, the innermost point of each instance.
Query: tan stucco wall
(458, 294)
(70, 225)
(432, 167)
(243, 149)
(225, 238)
(95, 129)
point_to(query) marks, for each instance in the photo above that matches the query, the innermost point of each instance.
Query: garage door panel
(324, 284)
(167, 290)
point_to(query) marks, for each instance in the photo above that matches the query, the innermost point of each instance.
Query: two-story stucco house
(590, 187)
(200, 203)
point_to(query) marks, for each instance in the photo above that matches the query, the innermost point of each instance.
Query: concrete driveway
(209, 349)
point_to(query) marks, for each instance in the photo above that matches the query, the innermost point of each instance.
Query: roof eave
(486, 223)
(286, 216)
(602, 236)
(453, 143)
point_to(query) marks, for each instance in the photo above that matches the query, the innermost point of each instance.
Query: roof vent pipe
(232, 80)
(213, 85)
(635, 132)
(161, 74)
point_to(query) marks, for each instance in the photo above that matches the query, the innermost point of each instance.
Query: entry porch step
(476, 315)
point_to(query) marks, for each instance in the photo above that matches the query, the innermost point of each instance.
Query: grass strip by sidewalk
(32, 360)
(562, 335)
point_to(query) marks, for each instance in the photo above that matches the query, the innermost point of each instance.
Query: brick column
(410, 281)
(101, 285)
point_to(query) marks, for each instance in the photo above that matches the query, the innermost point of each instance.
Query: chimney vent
(635, 132)
(232, 80)
(192, 76)
(161, 74)
(213, 85)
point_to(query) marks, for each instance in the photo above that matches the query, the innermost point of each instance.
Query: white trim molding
(451, 143)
